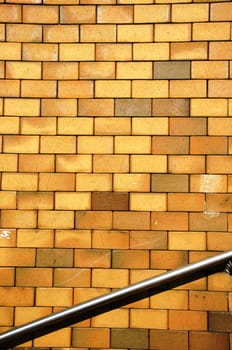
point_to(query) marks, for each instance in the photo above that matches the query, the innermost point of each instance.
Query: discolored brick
(171, 107)
(110, 201)
(172, 70)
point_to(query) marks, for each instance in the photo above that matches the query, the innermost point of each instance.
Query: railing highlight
(111, 301)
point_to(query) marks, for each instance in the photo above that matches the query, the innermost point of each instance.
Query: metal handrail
(113, 300)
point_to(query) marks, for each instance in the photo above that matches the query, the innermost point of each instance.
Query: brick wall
(115, 165)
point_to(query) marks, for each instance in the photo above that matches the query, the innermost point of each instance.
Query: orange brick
(194, 320)
(75, 126)
(170, 144)
(23, 70)
(167, 339)
(190, 13)
(220, 50)
(16, 296)
(18, 218)
(94, 182)
(213, 301)
(115, 14)
(218, 203)
(91, 337)
(8, 201)
(219, 282)
(186, 202)
(10, 51)
(59, 338)
(208, 183)
(219, 165)
(52, 219)
(187, 240)
(173, 32)
(148, 318)
(35, 238)
(36, 163)
(2, 72)
(219, 88)
(24, 33)
(220, 12)
(116, 318)
(22, 107)
(17, 257)
(98, 33)
(211, 31)
(148, 240)
(71, 277)
(21, 144)
(134, 70)
(112, 126)
(110, 239)
(7, 316)
(60, 70)
(209, 70)
(186, 164)
(61, 33)
(7, 237)
(56, 182)
(54, 297)
(95, 144)
(110, 278)
(96, 107)
(35, 200)
(27, 314)
(73, 238)
(212, 340)
(93, 220)
(191, 51)
(208, 144)
(218, 241)
(149, 88)
(40, 14)
(188, 88)
(32, 88)
(113, 52)
(9, 88)
(170, 299)
(99, 258)
(59, 107)
(208, 107)
(33, 277)
(150, 51)
(148, 201)
(132, 182)
(131, 220)
(110, 163)
(38, 126)
(10, 13)
(78, 14)
(169, 221)
(97, 70)
(135, 33)
(75, 89)
(40, 52)
(7, 276)
(187, 126)
(149, 163)
(76, 52)
(58, 144)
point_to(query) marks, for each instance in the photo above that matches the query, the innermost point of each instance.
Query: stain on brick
(220, 322)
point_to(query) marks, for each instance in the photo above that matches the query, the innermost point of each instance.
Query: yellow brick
(151, 51)
(135, 33)
(149, 163)
(188, 88)
(2, 72)
(75, 89)
(112, 88)
(8, 200)
(114, 14)
(16, 296)
(95, 144)
(10, 13)
(24, 33)
(9, 125)
(219, 88)
(113, 52)
(221, 12)
(75, 126)
(172, 32)
(118, 318)
(19, 218)
(61, 33)
(112, 126)
(72, 201)
(40, 52)
(96, 107)
(77, 52)
(148, 318)
(187, 164)
(190, 13)
(23, 70)
(74, 163)
(38, 126)
(59, 107)
(60, 70)
(110, 278)
(211, 31)
(132, 144)
(8, 162)
(21, 144)
(36, 163)
(132, 182)
(151, 13)
(71, 277)
(22, 107)
(170, 299)
(19, 181)
(208, 107)
(30, 313)
(17, 256)
(73, 239)
(187, 240)
(219, 282)
(149, 88)
(97, 70)
(110, 239)
(35, 200)
(98, 33)
(56, 182)
(9, 88)
(54, 297)
(40, 14)
(220, 126)
(93, 219)
(58, 144)
(110, 163)
(219, 164)
(191, 51)
(209, 70)
(134, 70)
(51, 219)
(35, 238)
(94, 182)
(220, 50)
(32, 88)
(148, 201)
(7, 316)
(78, 14)
(208, 183)
(149, 126)
(10, 51)
(2, 32)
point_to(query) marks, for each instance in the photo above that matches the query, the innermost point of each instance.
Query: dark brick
(220, 322)
(172, 70)
(133, 107)
(169, 183)
(129, 338)
(54, 257)
(167, 340)
(170, 144)
(110, 201)
(163, 107)
(209, 341)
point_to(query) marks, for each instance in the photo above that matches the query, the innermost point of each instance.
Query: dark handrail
(113, 300)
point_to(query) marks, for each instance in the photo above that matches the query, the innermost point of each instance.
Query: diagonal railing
(113, 300)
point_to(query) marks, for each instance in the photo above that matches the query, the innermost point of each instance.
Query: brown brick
(91, 337)
(208, 221)
(96, 107)
(54, 257)
(170, 144)
(161, 259)
(129, 338)
(166, 339)
(208, 340)
(187, 126)
(94, 258)
(148, 240)
(187, 320)
(169, 221)
(94, 220)
(78, 14)
(28, 277)
(172, 70)
(110, 201)
(218, 203)
(133, 107)
(171, 107)
(169, 183)
(220, 322)
(16, 296)
(130, 259)
(71, 277)
(131, 220)
(208, 145)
